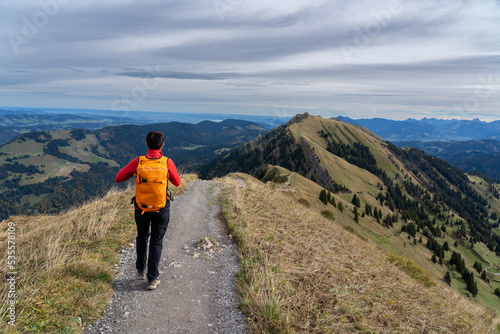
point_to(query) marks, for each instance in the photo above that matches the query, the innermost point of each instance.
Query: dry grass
(65, 263)
(303, 273)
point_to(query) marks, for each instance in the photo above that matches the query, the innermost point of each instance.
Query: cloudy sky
(394, 59)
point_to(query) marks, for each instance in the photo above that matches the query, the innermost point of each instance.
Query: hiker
(155, 215)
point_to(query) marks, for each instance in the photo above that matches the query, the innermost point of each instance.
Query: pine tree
(356, 215)
(323, 197)
(434, 259)
(468, 277)
(483, 276)
(340, 206)
(356, 201)
(332, 199)
(447, 278)
(473, 288)
(368, 209)
(478, 267)
(377, 214)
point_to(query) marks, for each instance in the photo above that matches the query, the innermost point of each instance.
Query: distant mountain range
(468, 145)
(429, 129)
(15, 121)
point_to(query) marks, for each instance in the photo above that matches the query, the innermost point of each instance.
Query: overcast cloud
(393, 59)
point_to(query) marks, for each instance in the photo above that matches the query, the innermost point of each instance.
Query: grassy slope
(343, 172)
(65, 263)
(364, 184)
(304, 273)
(359, 180)
(488, 259)
(390, 238)
(81, 150)
(53, 166)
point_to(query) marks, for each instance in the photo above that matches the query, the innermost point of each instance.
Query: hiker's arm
(174, 176)
(128, 171)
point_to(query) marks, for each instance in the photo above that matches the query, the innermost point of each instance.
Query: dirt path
(286, 186)
(491, 265)
(197, 291)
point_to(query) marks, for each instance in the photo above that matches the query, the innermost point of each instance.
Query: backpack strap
(169, 193)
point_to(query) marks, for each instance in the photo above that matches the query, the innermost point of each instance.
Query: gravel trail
(197, 292)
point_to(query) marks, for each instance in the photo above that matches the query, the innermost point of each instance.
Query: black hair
(154, 140)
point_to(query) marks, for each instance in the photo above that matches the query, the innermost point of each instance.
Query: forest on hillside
(188, 145)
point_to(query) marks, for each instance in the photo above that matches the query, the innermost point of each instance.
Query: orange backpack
(151, 184)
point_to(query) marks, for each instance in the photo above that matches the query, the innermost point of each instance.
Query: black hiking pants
(151, 226)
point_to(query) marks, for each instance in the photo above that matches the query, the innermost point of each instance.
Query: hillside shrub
(328, 214)
(414, 270)
(304, 202)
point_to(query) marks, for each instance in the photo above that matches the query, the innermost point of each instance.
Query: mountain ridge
(404, 189)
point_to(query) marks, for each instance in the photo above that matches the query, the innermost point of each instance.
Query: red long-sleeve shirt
(128, 171)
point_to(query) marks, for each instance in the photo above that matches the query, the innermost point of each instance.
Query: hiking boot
(153, 284)
(141, 275)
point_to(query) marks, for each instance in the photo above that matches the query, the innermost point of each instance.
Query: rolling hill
(16, 121)
(47, 171)
(405, 200)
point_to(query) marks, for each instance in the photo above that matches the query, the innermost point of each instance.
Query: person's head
(154, 140)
